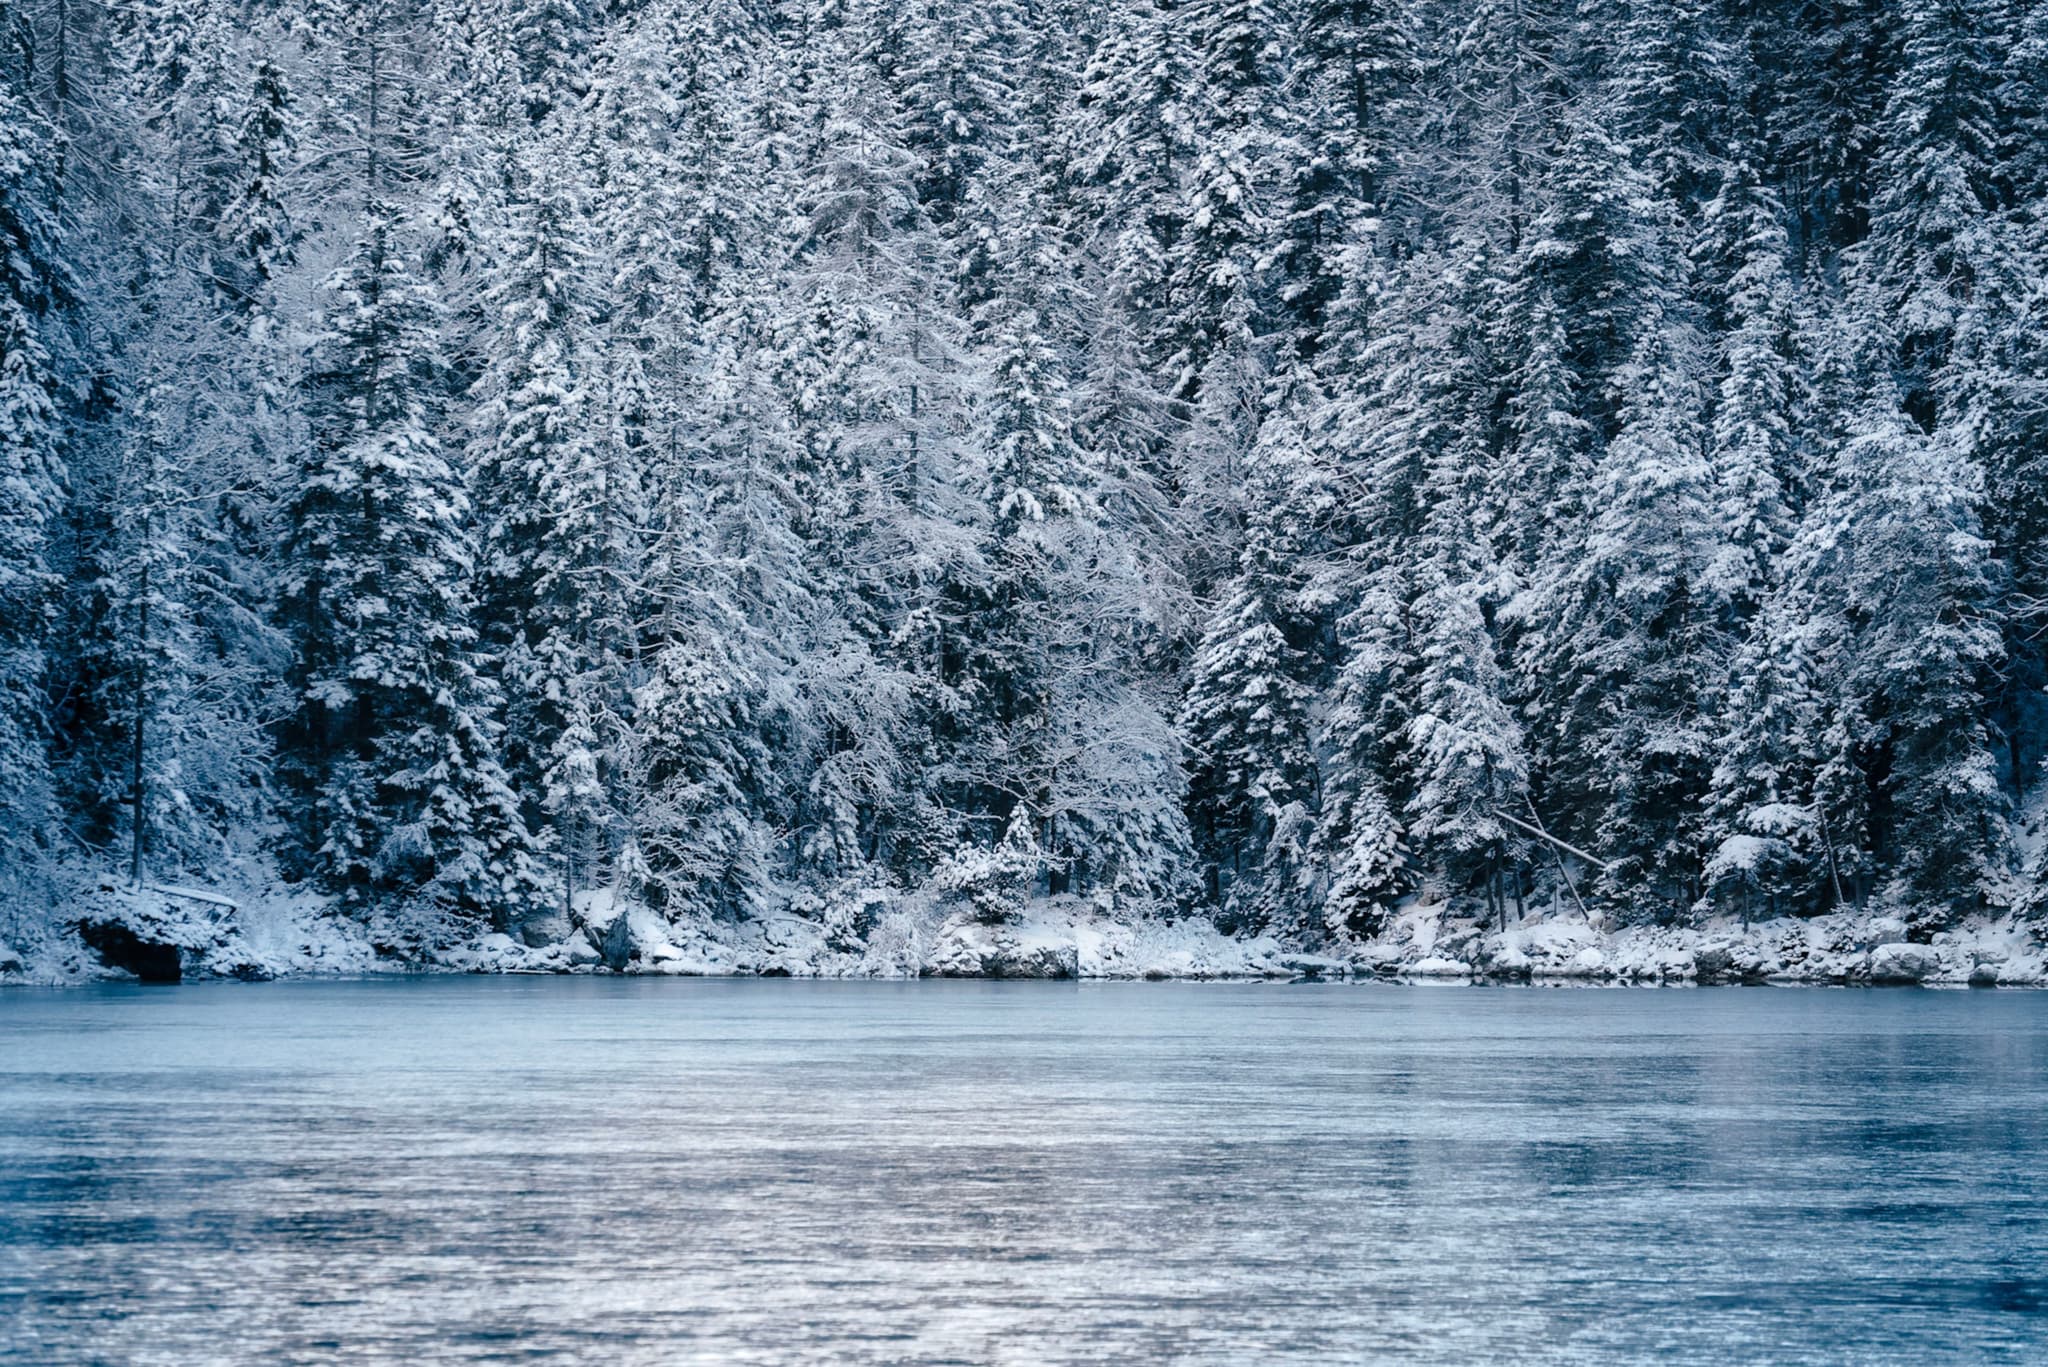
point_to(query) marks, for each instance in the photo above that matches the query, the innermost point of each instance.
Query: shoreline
(908, 937)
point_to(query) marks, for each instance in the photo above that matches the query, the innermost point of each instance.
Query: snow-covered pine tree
(1404, 451)
(1769, 850)
(33, 290)
(256, 228)
(954, 67)
(1678, 88)
(1133, 140)
(187, 649)
(1462, 746)
(1466, 747)
(1629, 661)
(1039, 478)
(545, 42)
(1253, 792)
(1759, 456)
(1933, 237)
(876, 497)
(1919, 589)
(1995, 390)
(1348, 100)
(698, 762)
(394, 730)
(1217, 262)
(532, 451)
(1823, 75)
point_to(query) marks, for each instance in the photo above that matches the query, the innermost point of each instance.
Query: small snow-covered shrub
(1371, 875)
(994, 882)
(847, 911)
(416, 929)
(1771, 863)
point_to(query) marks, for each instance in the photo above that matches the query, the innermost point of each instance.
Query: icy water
(662, 1171)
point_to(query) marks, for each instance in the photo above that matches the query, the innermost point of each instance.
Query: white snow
(870, 933)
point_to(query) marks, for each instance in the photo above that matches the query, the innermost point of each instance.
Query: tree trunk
(141, 748)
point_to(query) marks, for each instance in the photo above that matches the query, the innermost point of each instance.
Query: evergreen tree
(1770, 848)
(1465, 748)
(394, 725)
(256, 227)
(1932, 236)
(187, 651)
(1625, 664)
(1348, 95)
(1759, 461)
(33, 288)
(1250, 689)
(534, 466)
(1919, 589)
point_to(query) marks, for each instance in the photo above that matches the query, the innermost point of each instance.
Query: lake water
(664, 1171)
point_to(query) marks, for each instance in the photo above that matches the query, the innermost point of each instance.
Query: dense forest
(1264, 459)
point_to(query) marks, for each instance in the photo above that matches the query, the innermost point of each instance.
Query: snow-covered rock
(544, 928)
(1313, 967)
(606, 922)
(2030, 971)
(1899, 962)
(1509, 961)
(165, 934)
(1714, 963)
(968, 948)
(582, 953)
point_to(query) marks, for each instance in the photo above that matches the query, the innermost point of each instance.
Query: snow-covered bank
(104, 929)
(876, 938)
(871, 935)
(1069, 938)
(1844, 948)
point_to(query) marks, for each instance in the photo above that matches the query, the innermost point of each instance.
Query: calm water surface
(636, 1171)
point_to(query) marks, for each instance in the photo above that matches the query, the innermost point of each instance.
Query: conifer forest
(1269, 462)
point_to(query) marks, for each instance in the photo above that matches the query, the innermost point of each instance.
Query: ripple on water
(661, 1171)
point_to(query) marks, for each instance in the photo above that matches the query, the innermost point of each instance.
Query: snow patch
(235, 930)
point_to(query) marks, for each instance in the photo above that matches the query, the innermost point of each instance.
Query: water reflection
(628, 1171)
